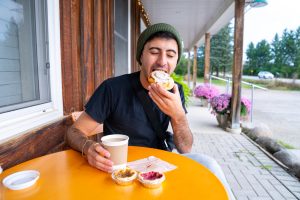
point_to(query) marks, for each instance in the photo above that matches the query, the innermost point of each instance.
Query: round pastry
(151, 179)
(124, 176)
(162, 78)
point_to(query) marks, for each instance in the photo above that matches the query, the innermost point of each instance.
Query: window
(121, 37)
(30, 90)
(24, 76)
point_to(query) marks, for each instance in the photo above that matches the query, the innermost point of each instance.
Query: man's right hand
(77, 138)
(98, 157)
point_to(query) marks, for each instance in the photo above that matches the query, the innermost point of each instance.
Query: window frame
(127, 39)
(18, 122)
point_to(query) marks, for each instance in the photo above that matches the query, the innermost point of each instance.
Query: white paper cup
(117, 145)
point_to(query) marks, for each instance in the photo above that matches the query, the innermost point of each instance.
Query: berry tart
(151, 179)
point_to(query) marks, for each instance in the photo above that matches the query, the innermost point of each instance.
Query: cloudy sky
(265, 22)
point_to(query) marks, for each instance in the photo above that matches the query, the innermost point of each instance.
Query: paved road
(243, 163)
(280, 110)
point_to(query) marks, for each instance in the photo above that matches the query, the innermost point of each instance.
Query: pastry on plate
(124, 176)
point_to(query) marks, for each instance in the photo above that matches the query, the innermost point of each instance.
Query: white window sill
(21, 125)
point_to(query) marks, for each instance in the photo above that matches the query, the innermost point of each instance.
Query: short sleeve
(99, 105)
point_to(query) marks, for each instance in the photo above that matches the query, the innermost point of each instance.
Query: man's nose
(162, 59)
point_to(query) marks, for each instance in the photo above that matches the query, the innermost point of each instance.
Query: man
(116, 104)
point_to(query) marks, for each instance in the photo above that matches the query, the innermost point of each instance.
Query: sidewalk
(251, 174)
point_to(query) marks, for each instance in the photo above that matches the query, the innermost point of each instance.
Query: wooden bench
(41, 141)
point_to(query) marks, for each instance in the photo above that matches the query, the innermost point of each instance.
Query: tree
(200, 61)
(263, 55)
(258, 58)
(221, 50)
(289, 53)
(251, 64)
(297, 58)
(277, 49)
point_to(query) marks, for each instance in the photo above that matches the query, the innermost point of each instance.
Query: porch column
(195, 68)
(237, 68)
(207, 58)
(135, 32)
(189, 69)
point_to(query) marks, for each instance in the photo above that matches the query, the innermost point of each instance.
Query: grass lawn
(223, 83)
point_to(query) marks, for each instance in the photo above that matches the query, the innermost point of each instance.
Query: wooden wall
(87, 29)
(87, 41)
(87, 52)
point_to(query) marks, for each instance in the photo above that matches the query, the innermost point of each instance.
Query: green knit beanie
(149, 31)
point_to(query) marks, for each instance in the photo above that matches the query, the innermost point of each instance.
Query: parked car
(265, 75)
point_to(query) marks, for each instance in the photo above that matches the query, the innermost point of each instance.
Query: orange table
(66, 175)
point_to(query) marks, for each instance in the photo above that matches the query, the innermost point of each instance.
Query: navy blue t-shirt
(115, 104)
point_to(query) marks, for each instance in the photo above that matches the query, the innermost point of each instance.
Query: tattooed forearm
(76, 139)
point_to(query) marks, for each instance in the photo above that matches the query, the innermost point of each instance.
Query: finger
(101, 166)
(98, 161)
(99, 154)
(104, 168)
(102, 151)
(158, 100)
(103, 160)
(163, 93)
(175, 89)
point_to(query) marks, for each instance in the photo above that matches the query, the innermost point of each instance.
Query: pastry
(151, 179)
(124, 176)
(162, 78)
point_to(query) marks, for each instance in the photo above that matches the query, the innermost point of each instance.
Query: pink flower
(206, 91)
(221, 104)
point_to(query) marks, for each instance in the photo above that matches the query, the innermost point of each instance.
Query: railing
(228, 82)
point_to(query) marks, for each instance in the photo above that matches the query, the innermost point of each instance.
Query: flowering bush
(206, 91)
(245, 106)
(221, 105)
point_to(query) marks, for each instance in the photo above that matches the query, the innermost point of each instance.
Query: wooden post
(237, 68)
(135, 32)
(207, 58)
(195, 68)
(189, 69)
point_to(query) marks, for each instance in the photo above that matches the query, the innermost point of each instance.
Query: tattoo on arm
(76, 139)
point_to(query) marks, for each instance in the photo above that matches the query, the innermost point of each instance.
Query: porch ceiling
(192, 18)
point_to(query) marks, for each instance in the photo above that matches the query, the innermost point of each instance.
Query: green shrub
(186, 90)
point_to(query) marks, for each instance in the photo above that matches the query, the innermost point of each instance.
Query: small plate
(21, 180)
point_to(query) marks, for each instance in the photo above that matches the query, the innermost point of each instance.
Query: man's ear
(140, 60)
